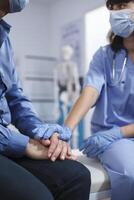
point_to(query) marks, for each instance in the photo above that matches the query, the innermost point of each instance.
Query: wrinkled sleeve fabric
(23, 115)
(95, 76)
(12, 144)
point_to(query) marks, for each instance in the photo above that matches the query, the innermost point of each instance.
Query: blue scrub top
(114, 106)
(15, 107)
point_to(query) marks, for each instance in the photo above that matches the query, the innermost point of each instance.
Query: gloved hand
(65, 133)
(47, 130)
(99, 142)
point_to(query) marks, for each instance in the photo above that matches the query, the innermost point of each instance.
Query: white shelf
(40, 86)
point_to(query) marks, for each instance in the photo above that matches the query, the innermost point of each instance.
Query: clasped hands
(51, 145)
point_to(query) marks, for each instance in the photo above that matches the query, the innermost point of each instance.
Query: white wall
(63, 12)
(96, 34)
(36, 30)
(29, 33)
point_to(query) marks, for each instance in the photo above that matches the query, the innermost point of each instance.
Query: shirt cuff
(17, 145)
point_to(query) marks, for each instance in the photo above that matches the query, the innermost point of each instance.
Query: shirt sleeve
(23, 115)
(95, 76)
(12, 144)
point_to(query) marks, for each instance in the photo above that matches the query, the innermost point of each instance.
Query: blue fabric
(114, 106)
(64, 132)
(99, 142)
(17, 5)
(11, 143)
(4, 30)
(118, 160)
(121, 22)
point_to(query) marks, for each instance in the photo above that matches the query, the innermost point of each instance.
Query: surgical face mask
(121, 22)
(17, 5)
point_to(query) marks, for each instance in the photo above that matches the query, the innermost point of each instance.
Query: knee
(83, 174)
(79, 172)
(125, 174)
(126, 170)
(129, 175)
(39, 193)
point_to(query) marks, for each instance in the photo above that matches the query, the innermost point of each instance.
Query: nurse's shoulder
(102, 57)
(105, 52)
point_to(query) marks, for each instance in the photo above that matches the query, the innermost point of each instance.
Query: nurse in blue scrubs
(109, 87)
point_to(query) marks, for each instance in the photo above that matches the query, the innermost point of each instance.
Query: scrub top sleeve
(95, 76)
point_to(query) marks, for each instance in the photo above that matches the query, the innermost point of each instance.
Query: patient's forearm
(86, 100)
(128, 130)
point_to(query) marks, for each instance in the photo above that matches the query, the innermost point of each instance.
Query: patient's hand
(35, 150)
(58, 148)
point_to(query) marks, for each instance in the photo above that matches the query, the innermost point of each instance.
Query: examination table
(100, 184)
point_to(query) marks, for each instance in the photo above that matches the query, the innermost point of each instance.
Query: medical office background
(38, 35)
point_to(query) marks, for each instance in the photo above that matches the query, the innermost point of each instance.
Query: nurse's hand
(35, 150)
(58, 148)
(47, 130)
(99, 142)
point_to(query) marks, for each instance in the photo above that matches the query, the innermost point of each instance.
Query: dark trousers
(26, 179)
